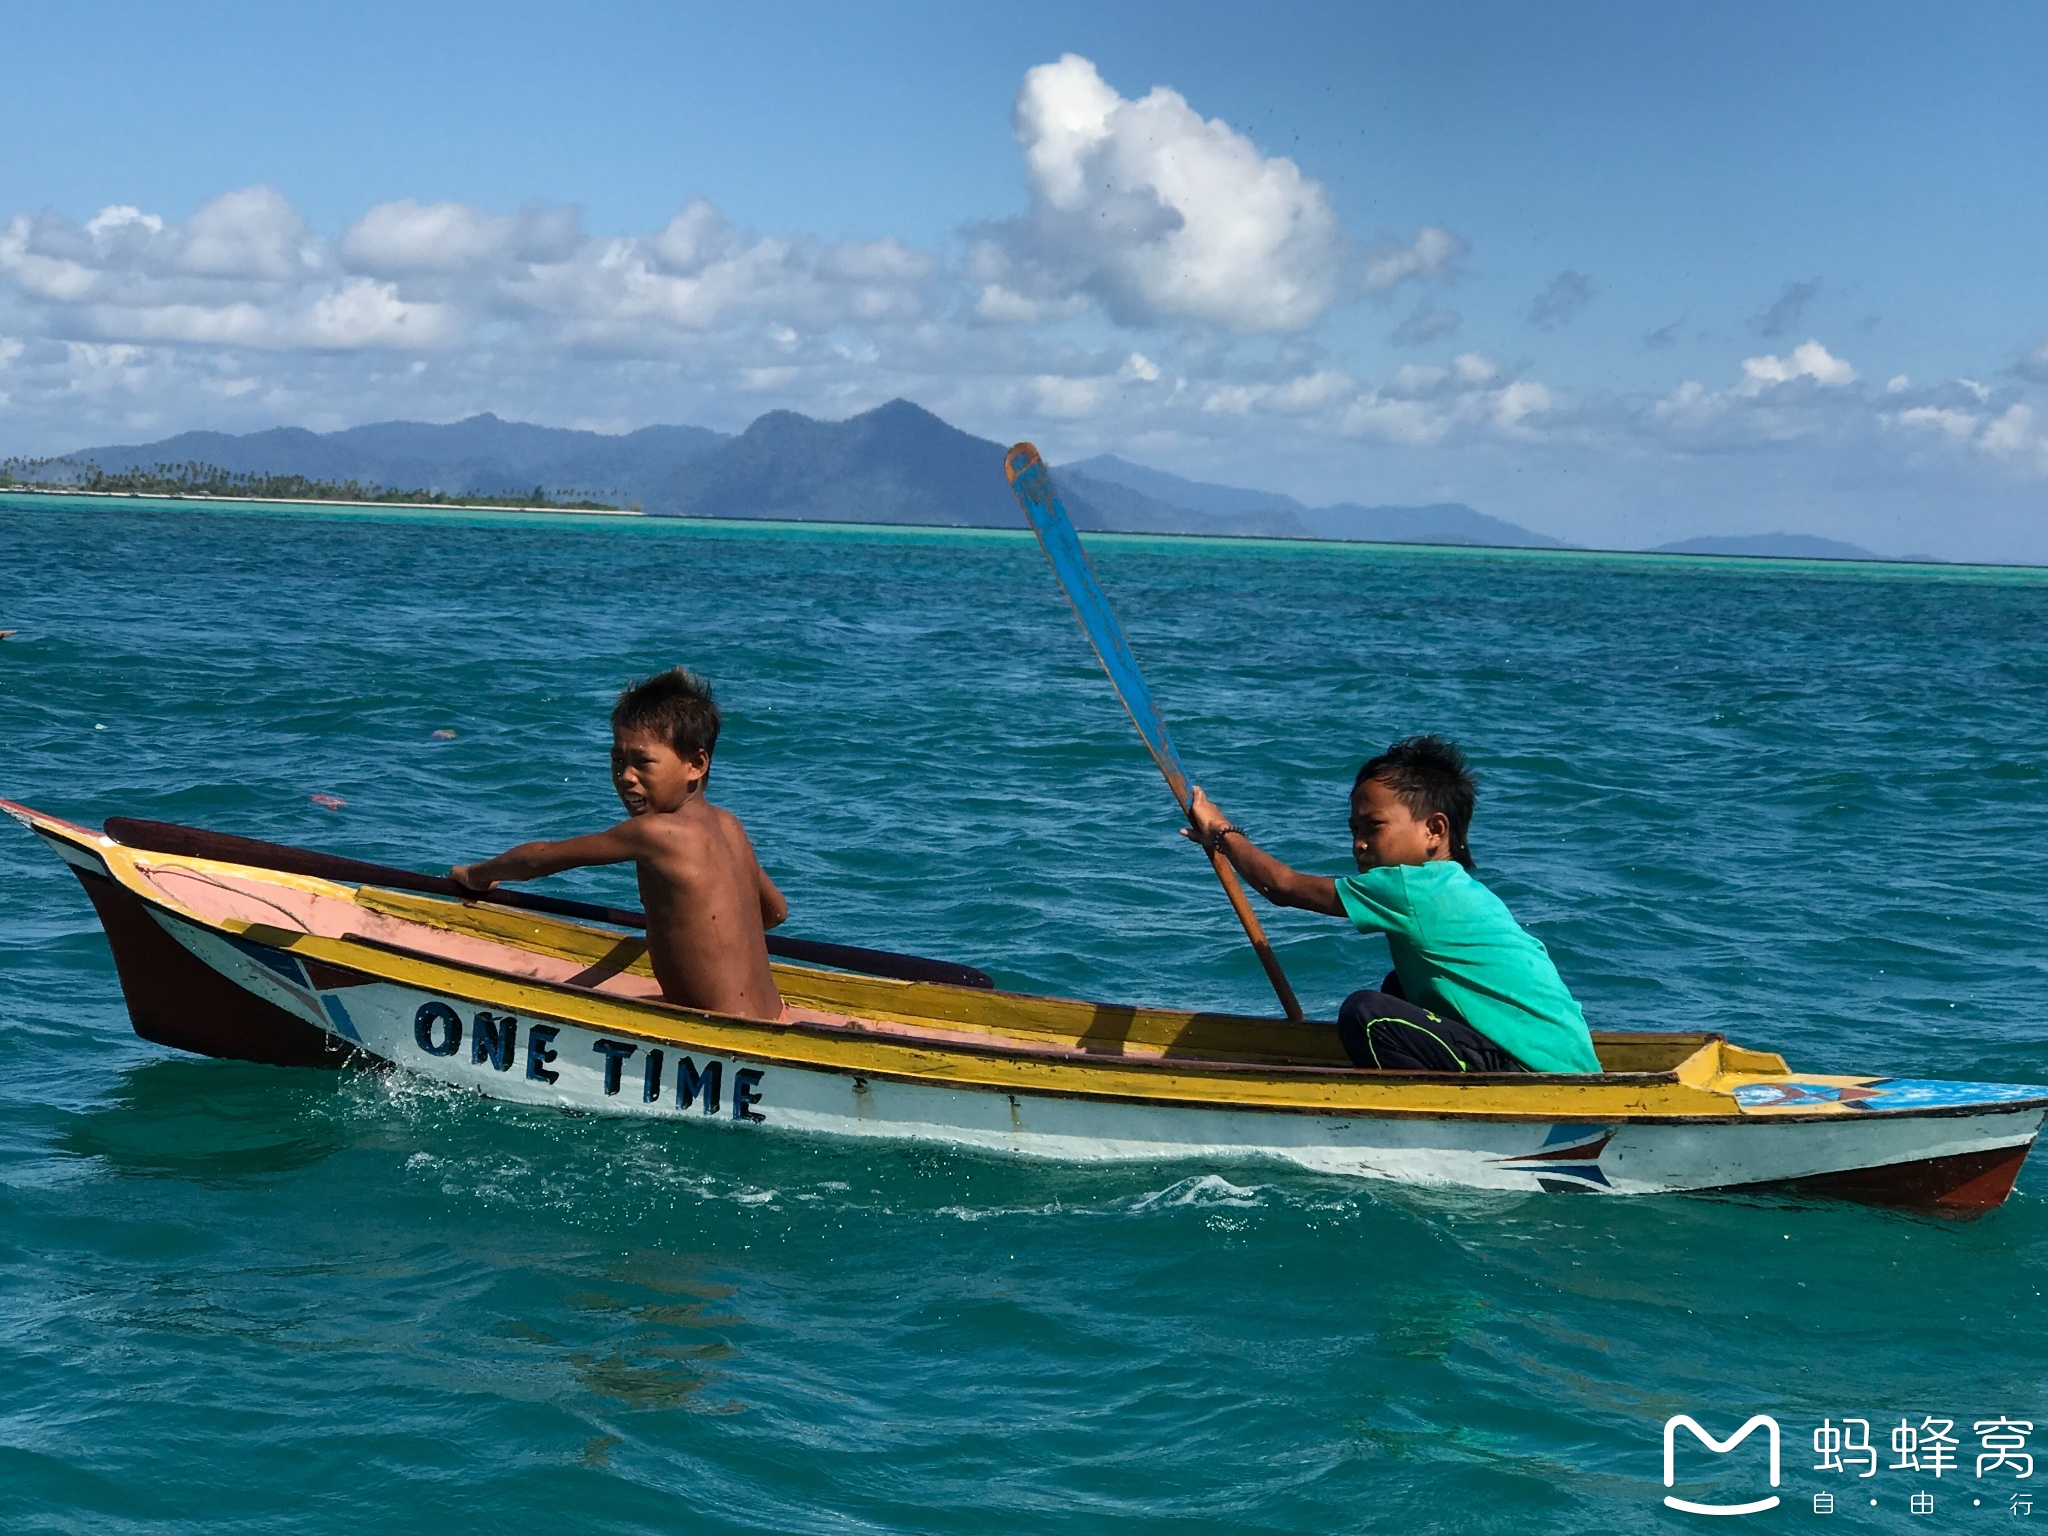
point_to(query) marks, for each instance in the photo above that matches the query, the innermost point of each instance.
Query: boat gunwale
(1345, 1072)
(1190, 1067)
(1200, 1069)
(147, 859)
(259, 932)
(404, 900)
(1206, 1015)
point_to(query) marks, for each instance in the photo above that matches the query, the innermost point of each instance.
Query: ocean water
(1805, 804)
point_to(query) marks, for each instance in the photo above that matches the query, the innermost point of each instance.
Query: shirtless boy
(709, 903)
(1472, 990)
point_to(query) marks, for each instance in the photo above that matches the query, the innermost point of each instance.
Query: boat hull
(1958, 1162)
(176, 1000)
(1722, 1118)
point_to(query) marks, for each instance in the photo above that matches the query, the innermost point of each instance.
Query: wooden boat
(237, 960)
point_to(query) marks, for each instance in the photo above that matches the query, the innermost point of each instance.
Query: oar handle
(1255, 931)
(197, 842)
(1233, 888)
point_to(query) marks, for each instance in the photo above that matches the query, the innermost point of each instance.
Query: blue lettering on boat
(746, 1093)
(615, 1053)
(494, 1040)
(539, 1052)
(690, 1083)
(423, 1028)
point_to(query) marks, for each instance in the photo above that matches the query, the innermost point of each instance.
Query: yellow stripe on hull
(414, 981)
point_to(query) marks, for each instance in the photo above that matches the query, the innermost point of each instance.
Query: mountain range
(898, 463)
(480, 456)
(1783, 546)
(1131, 492)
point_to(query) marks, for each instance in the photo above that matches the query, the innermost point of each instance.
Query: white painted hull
(740, 1095)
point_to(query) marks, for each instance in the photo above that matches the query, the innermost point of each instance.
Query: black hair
(675, 705)
(1428, 775)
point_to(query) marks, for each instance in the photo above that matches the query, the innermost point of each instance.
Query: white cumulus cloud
(249, 234)
(1958, 418)
(2014, 436)
(1424, 404)
(1419, 406)
(1157, 213)
(1758, 407)
(406, 237)
(1965, 415)
(1432, 255)
(699, 273)
(244, 271)
(1808, 360)
(2010, 436)
(1960, 426)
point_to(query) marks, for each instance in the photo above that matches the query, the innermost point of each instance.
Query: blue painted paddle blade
(1032, 482)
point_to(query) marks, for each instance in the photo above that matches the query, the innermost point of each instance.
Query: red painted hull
(1965, 1185)
(174, 1000)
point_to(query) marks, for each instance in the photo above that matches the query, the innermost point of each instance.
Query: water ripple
(1802, 805)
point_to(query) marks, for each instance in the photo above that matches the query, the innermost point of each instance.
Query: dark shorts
(1384, 1032)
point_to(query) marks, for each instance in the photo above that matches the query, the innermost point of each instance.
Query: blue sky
(1621, 273)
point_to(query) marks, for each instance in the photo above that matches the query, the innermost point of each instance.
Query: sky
(1620, 273)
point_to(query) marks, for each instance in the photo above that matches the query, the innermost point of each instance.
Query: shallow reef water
(1805, 804)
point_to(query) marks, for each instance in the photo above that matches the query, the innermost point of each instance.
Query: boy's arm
(774, 908)
(529, 861)
(774, 905)
(1279, 884)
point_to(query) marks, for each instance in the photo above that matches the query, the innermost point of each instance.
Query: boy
(709, 904)
(1471, 990)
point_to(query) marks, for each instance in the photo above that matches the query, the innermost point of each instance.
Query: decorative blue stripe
(1888, 1094)
(1563, 1133)
(1770, 1095)
(272, 960)
(1590, 1172)
(1924, 1093)
(340, 1016)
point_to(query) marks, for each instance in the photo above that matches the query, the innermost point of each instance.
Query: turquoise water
(1807, 805)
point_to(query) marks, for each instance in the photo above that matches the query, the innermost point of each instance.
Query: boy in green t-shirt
(1471, 989)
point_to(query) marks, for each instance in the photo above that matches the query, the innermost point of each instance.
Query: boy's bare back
(709, 903)
(708, 908)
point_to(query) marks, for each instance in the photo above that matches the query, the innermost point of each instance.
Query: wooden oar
(1062, 545)
(197, 842)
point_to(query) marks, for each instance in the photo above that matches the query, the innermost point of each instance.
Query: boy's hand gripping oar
(1062, 545)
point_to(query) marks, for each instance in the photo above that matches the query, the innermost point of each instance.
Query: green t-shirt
(1457, 947)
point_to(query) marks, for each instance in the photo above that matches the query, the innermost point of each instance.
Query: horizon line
(1276, 542)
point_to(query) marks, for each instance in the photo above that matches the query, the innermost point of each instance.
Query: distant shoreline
(1289, 541)
(316, 501)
